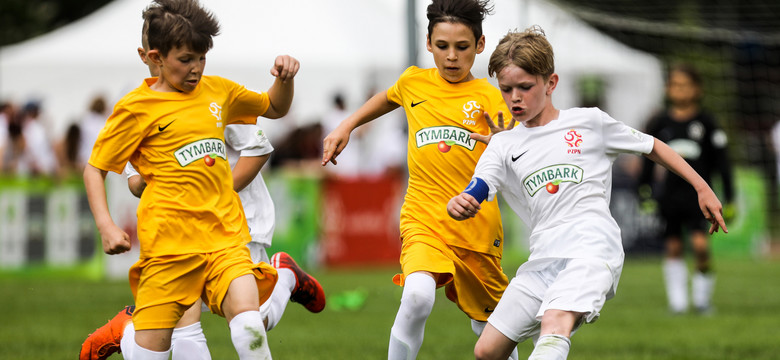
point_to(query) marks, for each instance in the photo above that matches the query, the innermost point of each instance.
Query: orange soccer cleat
(105, 340)
(308, 291)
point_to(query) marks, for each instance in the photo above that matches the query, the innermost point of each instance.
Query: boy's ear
(154, 56)
(552, 82)
(481, 44)
(428, 42)
(142, 55)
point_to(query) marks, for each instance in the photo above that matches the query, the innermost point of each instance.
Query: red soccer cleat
(308, 291)
(105, 340)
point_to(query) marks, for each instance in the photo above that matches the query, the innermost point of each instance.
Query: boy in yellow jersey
(194, 234)
(248, 151)
(443, 106)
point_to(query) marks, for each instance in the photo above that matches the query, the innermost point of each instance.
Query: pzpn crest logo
(216, 111)
(472, 109)
(574, 140)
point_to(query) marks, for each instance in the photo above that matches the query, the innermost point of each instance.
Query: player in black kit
(694, 134)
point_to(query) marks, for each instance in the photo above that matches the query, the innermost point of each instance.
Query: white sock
(701, 287)
(273, 309)
(140, 353)
(408, 330)
(249, 336)
(127, 344)
(478, 326)
(676, 280)
(189, 343)
(285, 278)
(551, 347)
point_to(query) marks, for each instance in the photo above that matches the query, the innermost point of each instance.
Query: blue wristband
(477, 188)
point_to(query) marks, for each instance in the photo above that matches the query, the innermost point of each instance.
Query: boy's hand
(463, 206)
(713, 210)
(333, 145)
(285, 67)
(115, 240)
(485, 139)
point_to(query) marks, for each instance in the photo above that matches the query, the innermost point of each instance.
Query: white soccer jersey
(249, 140)
(558, 179)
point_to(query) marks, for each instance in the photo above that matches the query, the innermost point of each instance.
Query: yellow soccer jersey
(177, 142)
(442, 156)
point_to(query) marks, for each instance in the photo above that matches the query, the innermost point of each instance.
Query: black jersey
(702, 144)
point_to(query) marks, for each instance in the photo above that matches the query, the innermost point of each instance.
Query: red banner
(360, 221)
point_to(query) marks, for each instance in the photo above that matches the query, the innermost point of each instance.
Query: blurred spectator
(38, 150)
(694, 134)
(14, 156)
(74, 149)
(90, 127)
(6, 115)
(349, 160)
(68, 153)
(375, 149)
(776, 146)
(301, 148)
(339, 112)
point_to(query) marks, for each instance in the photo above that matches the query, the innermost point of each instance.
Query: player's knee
(560, 322)
(418, 301)
(674, 249)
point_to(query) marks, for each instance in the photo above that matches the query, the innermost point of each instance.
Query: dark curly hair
(468, 12)
(175, 23)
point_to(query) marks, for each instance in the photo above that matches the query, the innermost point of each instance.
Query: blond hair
(528, 50)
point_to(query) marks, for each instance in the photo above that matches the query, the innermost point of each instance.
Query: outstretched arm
(281, 92)
(114, 239)
(708, 202)
(337, 140)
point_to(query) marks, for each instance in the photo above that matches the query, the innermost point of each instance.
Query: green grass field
(49, 318)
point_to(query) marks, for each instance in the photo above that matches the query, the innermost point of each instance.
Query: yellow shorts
(472, 280)
(164, 287)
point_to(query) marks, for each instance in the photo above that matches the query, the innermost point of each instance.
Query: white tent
(353, 46)
(633, 83)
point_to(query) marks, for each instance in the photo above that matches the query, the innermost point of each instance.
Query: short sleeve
(245, 105)
(621, 138)
(117, 141)
(394, 92)
(249, 140)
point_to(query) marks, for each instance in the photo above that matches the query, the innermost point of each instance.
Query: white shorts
(579, 285)
(258, 252)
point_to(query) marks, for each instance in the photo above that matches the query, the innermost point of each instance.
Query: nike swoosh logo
(514, 158)
(488, 309)
(418, 103)
(162, 128)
